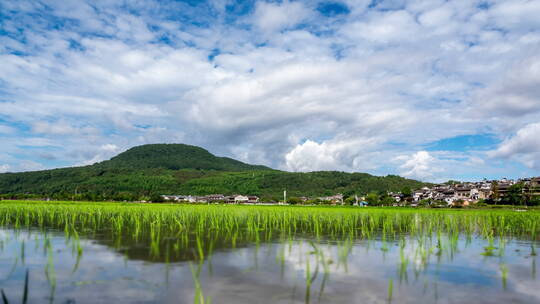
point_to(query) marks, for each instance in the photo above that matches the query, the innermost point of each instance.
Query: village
(248, 199)
(449, 194)
(472, 192)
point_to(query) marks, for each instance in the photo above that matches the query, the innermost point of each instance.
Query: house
(533, 186)
(504, 187)
(190, 198)
(252, 199)
(169, 197)
(395, 196)
(484, 193)
(240, 199)
(462, 192)
(449, 196)
(417, 195)
(535, 182)
(334, 199)
(214, 198)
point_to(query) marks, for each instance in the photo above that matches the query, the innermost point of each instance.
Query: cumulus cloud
(29, 165)
(524, 146)
(329, 155)
(385, 27)
(4, 168)
(516, 94)
(277, 16)
(420, 165)
(102, 153)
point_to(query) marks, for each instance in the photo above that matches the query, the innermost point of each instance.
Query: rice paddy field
(73, 252)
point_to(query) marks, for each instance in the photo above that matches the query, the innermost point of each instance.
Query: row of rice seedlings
(197, 226)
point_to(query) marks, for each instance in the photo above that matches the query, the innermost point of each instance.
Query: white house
(241, 199)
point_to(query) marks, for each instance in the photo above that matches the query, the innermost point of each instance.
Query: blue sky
(432, 90)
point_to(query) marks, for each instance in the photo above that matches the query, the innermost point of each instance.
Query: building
(252, 199)
(241, 199)
(334, 199)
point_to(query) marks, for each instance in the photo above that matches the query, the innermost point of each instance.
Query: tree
(425, 202)
(294, 201)
(407, 192)
(514, 195)
(388, 201)
(156, 198)
(350, 201)
(452, 182)
(534, 201)
(495, 191)
(315, 201)
(373, 199)
(459, 203)
(438, 204)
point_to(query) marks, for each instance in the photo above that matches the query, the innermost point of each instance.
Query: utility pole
(284, 196)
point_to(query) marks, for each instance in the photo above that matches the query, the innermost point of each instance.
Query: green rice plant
(390, 290)
(504, 275)
(50, 272)
(25, 290)
(199, 295)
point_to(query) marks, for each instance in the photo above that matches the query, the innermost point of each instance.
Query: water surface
(101, 265)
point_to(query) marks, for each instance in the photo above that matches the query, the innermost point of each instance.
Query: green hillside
(148, 170)
(272, 183)
(175, 157)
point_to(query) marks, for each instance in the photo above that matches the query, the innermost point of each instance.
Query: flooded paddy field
(66, 252)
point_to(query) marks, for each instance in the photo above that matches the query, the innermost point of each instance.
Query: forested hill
(175, 157)
(149, 170)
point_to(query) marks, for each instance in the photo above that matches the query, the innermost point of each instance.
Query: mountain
(175, 157)
(148, 170)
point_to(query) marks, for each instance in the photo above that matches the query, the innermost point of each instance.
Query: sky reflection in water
(339, 272)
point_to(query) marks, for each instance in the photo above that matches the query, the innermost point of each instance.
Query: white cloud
(516, 14)
(420, 165)
(4, 168)
(61, 128)
(330, 155)
(270, 17)
(7, 130)
(524, 146)
(110, 148)
(516, 94)
(436, 17)
(29, 165)
(102, 153)
(388, 27)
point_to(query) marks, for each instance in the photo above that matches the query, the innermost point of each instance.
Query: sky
(430, 90)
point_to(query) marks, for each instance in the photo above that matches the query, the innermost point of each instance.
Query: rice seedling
(50, 272)
(390, 290)
(504, 275)
(199, 295)
(25, 290)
